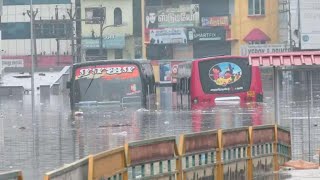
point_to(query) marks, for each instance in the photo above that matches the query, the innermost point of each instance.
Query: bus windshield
(105, 83)
(225, 76)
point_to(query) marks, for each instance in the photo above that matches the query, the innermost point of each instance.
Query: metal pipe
(144, 53)
(308, 107)
(276, 91)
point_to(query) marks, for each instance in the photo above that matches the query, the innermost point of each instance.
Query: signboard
(310, 20)
(108, 72)
(94, 15)
(181, 16)
(167, 36)
(245, 50)
(207, 34)
(109, 42)
(12, 63)
(215, 21)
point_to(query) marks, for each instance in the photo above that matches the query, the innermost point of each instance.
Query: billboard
(309, 18)
(180, 16)
(167, 36)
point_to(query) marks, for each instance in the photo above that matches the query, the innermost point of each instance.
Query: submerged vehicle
(112, 84)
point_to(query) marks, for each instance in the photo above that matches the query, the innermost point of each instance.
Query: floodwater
(55, 138)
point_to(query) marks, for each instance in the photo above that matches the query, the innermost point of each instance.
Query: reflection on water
(55, 137)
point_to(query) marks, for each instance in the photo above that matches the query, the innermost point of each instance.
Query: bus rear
(227, 76)
(112, 84)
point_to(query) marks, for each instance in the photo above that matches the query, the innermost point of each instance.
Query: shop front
(113, 46)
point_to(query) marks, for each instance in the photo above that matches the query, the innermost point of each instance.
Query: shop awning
(256, 35)
(285, 59)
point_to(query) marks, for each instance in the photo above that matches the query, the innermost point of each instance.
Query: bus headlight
(195, 101)
(250, 94)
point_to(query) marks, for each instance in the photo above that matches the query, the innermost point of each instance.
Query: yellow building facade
(118, 41)
(250, 17)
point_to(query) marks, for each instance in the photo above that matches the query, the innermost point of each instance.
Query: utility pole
(102, 21)
(72, 17)
(299, 24)
(32, 15)
(290, 28)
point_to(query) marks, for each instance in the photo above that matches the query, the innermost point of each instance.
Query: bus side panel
(256, 84)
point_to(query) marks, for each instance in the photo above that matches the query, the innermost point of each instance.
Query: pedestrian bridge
(241, 153)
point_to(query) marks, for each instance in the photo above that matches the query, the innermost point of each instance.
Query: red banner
(109, 72)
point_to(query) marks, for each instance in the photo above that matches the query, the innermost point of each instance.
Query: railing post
(128, 160)
(46, 177)
(180, 151)
(249, 155)
(20, 177)
(90, 167)
(219, 168)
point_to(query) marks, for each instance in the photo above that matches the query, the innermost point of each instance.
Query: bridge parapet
(241, 153)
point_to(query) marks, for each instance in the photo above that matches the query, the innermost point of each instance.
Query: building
(255, 27)
(53, 31)
(119, 25)
(186, 29)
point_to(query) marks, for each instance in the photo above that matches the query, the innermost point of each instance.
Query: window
(256, 7)
(19, 30)
(118, 54)
(117, 16)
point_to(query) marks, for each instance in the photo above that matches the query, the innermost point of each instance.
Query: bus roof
(115, 61)
(219, 57)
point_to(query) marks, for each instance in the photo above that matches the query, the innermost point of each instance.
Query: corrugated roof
(286, 59)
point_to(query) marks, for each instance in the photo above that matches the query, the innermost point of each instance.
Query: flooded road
(55, 137)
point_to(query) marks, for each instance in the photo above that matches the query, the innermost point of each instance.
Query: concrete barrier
(77, 170)
(108, 165)
(12, 175)
(241, 153)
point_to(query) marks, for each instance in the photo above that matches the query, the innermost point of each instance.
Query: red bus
(200, 82)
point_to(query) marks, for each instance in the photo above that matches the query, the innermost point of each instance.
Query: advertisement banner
(181, 16)
(207, 34)
(108, 72)
(309, 18)
(167, 36)
(165, 72)
(215, 21)
(245, 50)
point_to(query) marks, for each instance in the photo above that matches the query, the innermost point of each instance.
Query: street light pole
(32, 61)
(101, 37)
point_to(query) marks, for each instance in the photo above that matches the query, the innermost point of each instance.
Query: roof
(285, 59)
(256, 35)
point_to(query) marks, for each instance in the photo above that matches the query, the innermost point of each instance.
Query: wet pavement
(55, 137)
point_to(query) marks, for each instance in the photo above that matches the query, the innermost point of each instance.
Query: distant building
(51, 22)
(121, 38)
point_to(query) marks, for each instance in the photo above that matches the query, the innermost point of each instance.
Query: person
(152, 20)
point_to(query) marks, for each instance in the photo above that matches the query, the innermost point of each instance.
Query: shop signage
(180, 16)
(245, 50)
(109, 42)
(215, 21)
(207, 34)
(167, 36)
